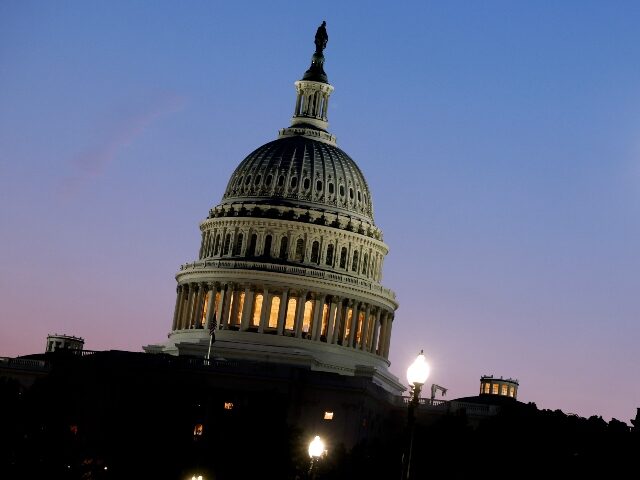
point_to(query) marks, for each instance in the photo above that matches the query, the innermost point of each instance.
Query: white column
(176, 310)
(353, 334)
(318, 309)
(266, 310)
(211, 308)
(332, 319)
(299, 314)
(186, 316)
(387, 343)
(247, 308)
(224, 306)
(376, 328)
(365, 328)
(282, 312)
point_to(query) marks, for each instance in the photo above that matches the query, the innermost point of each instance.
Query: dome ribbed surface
(301, 172)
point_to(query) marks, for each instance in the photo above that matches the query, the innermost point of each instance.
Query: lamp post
(316, 450)
(417, 375)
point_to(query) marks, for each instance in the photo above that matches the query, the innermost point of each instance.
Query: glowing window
(359, 328)
(197, 430)
(503, 390)
(347, 326)
(328, 415)
(257, 310)
(487, 388)
(494, 389)
(306, 320)
(273, 314)
(291, 314)
(511, 391)
(228, 405)
(205, 309)
(325, 319)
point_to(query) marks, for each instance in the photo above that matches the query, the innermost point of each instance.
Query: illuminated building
(290, 264)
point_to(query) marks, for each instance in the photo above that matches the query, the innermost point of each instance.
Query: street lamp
(316, 450)
(417, 375)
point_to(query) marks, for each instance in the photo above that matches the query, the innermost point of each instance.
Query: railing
(291, 270)
(23, 363)
(451, 406)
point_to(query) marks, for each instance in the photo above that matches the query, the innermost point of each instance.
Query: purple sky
(501, 141)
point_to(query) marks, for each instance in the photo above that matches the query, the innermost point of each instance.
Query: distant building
(57, 342)
(498, 386)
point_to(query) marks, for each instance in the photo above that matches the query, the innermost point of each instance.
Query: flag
(213, 325)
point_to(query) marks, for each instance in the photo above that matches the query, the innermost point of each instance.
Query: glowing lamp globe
(418, 371)
(316, 447)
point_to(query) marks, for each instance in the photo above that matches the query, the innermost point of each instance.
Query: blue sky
(500, 140)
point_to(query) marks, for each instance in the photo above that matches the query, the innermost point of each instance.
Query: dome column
(282, 311)
(247, 308)
(266, 309)
(376, 329)
(176, 310)
(197, 316)
(333, 308)
(226, 304)
(300, 304)
(317, 317)
(186, 315)
(211, 307)
(387, 342)
(365, 328)
(383, 333)
(353, 334)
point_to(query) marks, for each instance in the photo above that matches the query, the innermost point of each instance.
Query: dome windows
(331, 188)
(294, 182)
(359, 196)
(247, 180)
(351, 193)
(342, 190)
(259, 177)
(319, 185)
(268, 180)
(306, 184)
(281, 181)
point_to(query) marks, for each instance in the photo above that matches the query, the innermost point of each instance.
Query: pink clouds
(94, 160)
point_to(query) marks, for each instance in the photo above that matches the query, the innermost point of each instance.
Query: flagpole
(209, 352)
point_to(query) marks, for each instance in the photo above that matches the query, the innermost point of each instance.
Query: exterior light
(316, 447)
(417, 375)
(418, 371)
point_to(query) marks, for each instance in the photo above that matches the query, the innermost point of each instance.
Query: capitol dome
(290, 262)
(301, 171)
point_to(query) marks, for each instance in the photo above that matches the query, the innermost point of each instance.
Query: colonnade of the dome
(278, 310)
(293, 242)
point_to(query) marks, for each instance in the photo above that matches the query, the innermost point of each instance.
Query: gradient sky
(500, 139)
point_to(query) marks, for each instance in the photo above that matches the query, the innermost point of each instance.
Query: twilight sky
(500, 139)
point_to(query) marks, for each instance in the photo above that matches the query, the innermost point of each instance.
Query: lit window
(228, 405)
(328, 415)
(487, 388)
(494, 389)
(503, 390)
(273, 314)
(291, 314)
(511, 391)
(197, 430)
(257, 310)
(306, 319)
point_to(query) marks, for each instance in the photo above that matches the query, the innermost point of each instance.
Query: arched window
(365, 261)
(267, 181)
(259, 177)
(342, 190)
(319, 185)
(354, 264)
(294, 182)
(284, 248)
(252, 245)
(217, 249)
(267, 246)
(299, 250)
(315, 248)
(306, 183)
(238, 247)
(343, 257)
(331, 188)
(329, 259)
(281, 181)
(227, 244)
